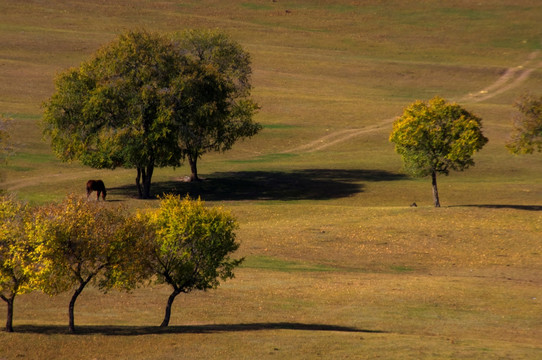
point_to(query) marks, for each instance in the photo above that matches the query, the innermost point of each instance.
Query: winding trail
(511, 79)
(338, 137)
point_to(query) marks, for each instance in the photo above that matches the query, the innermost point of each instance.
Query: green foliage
(16, 263)
(145, 100)
(216, 110)
(527, 135)
(437, 137)
(192, 246)
(109, 113)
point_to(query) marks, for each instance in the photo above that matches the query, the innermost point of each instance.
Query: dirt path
(337, 137)
(511, 79)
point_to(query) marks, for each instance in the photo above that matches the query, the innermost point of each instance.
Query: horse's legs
(98, 195)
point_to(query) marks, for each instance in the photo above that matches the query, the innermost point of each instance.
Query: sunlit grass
(338, 265)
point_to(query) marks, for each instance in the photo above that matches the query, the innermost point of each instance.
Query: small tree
(81, 242)
(527, 135)
(437, 137)
(16, 265)
(192, 246)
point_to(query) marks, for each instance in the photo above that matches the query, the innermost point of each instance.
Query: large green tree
(191, 246)
(146, 101)
(527, 135)
(107, 112)
(80, 243)
(436, 137)
(16, 253)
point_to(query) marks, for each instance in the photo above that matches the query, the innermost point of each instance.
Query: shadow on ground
(504, 206)
(187, 329)
(309, 184)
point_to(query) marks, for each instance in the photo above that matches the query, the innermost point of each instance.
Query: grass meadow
(338, 265)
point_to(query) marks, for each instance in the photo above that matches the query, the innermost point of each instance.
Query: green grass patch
(276, 264)
(401, 269)
(341, 8)
(470, 14)
(253, 6)
(264, 159)
(36, 158)
(18, 168)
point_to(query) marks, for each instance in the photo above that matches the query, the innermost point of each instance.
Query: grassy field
(338, 266)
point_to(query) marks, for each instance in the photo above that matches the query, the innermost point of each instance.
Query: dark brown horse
(98, 186)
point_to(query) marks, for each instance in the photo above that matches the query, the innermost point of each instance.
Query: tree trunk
(145, 175)
(138, 183)
(193, 161)
(168, 307)
(72, 306)
(147, 182)
(9, 317)
(435, 189)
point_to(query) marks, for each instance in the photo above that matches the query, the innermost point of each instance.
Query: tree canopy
(191, 247)
(66, 246)
(146, 100)
(80, 242)
(215, 120)
(437, 137)
(527, 135)
(16, 259)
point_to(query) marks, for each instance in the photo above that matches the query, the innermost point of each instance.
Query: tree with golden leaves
(80, 243)
(436, 137)
(16, 260)
(191, 247)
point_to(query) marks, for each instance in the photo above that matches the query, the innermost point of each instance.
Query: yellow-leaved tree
(80, 242)
(17, 265)
(437, 137)
(191, 246)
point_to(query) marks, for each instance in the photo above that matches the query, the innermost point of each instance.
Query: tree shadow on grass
(505, 206)
(309, 184)
(186, 329)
